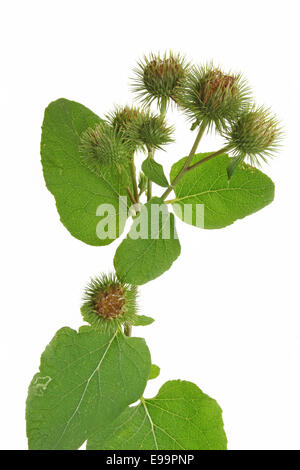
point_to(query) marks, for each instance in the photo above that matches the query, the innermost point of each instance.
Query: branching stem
(195, 165)
(188, 161)
(209, 157)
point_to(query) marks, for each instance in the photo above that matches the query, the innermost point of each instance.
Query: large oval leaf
(180, 417)
(85, 378)
(205, 198)
(77, 190)
(139, 260)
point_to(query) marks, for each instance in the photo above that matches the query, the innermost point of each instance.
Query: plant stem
(149, 183)
(163, 106)
(188, 161)
(163, 109)
(131, 195)
(206, 159)
(212, 155)
(133, 177)
(127, 330)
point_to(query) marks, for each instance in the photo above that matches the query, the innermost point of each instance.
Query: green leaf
(139, 260)
(155, 371)
(248, 191)
(142, 320)
(85, 378)
(180, 417)
(155, 172)
(78, 190)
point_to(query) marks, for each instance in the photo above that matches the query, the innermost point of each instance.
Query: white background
(227, 313)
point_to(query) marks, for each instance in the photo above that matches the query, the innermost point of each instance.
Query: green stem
(209, 157)
(187, 162)
(206, 159)
(163, 109)
(163, 106)
(134, 182)
(127, 330)
(149, 182)
(131, 195)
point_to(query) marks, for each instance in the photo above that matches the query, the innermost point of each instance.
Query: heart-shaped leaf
(85, 378)
(180, 417)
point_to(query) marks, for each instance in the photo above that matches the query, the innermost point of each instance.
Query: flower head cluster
(210, 95)
(108, 303)
(255, 134)
(149, 131)
(121, 118)
(157, 78)
(103, 146)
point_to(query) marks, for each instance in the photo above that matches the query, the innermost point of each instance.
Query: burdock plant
(89, 379)
(157, 78)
